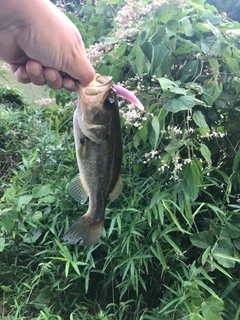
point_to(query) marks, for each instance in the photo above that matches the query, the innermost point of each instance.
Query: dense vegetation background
(171, 244)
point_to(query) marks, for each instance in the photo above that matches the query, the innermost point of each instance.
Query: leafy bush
(11, 97)
(170, 248)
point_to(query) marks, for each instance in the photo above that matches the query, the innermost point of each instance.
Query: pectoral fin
(77, 190)
(113, 195)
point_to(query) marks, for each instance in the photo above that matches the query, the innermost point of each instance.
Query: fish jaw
(93, 96)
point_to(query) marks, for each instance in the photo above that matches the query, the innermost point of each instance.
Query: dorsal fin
(113, 195)
(77, 190)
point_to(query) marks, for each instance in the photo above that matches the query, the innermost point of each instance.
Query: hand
(42, 45)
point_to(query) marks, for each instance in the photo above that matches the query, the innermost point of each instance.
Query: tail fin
(84, 232)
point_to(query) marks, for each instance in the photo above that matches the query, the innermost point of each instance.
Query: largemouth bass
(98, 144)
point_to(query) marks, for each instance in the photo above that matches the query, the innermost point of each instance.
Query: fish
(98, 146)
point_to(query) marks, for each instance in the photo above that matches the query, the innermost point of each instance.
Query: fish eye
(109, 103)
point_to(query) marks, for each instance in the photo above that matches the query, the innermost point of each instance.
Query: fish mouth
(98, 85)
(96, 92)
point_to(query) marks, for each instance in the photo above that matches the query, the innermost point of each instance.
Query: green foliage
(229, 8)
(171, 245)
(10, 97)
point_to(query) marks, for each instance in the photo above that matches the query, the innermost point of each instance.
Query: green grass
(30, 91)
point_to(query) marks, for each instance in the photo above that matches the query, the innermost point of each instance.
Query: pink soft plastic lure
(128, 95)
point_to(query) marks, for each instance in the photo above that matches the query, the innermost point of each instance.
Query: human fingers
(70, 84)
(31, 72)
(20, 73)
(53, 78)
(49, 76)
(35, 72)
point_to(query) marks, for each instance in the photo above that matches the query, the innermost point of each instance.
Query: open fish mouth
(99, 85)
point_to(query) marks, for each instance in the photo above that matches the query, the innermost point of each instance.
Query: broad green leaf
(104, 69)
(171, 86)
(8, 220)
(22, 200)
(196, 316)
(236, 243)
(48, 199)
(215, 66)
(211, 91)
(206, 154)
(41, 191)
(203, 27)
(186, 47)
(199, 119)
(173, 146)
(121, 49)
(231, 230)
(2, 244)
(211, 308)
(189, 71)
(174, 26)
(147, 50)
(202, 239)
(6, 288)
(162, 114)
(33, 236)
(159, 53)
(143, 132)
(232, 63)
(226, 257)
(214, 19)
(179, 103)
(191, 178)
(223, 253)
(187, 25)
(140, 62)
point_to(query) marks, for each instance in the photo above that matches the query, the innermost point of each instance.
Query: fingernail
(35, 71)
(69, 84)
(23, 74)
(51, 75)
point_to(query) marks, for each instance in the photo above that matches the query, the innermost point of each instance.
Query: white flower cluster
(129, 17)
(96, 52)
(43, 101)
(133, 116)
(152, 155)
